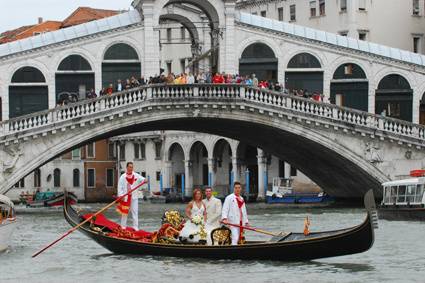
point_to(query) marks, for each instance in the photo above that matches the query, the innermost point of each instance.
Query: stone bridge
(344, 151)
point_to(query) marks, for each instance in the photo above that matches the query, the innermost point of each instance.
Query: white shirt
(231, 211)
(213, 206)
(122, 185)
(191, 79)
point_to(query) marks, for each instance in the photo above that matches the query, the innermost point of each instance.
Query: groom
(234, 212)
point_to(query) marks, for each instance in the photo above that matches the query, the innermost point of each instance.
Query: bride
(196, 207)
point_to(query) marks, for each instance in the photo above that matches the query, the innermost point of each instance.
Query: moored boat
(282, 192)
(404, 199)
(7, 221)
(47, 199)
(289, 247)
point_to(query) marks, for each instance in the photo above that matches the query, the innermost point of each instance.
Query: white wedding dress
(196, 211)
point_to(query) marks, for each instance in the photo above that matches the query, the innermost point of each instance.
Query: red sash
(124, 206)
(240, 202)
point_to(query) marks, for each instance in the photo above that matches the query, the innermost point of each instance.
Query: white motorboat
(7, 221)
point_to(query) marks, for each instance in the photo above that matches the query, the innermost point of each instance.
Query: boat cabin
(281, 187)
(404, 192)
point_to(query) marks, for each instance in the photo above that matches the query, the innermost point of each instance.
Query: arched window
(76, 178)
(57, 178)
(258, 50)
(394, 81)
(303, 61)
(74, 63)
(120, 62)
(28, 75)
(349, 87)
(259, 59)
(300, 79)
(74, 79)
(394, 97)
(28, 92)
(121, 51)
(349, 71)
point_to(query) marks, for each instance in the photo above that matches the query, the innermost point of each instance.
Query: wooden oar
(253, 229)
(88, 219)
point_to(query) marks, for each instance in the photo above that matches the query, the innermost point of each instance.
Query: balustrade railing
(298, 105)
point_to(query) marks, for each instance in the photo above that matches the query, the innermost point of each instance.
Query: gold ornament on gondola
(174, 218)
(221, 236)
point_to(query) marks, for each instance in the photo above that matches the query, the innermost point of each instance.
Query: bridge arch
(185, 22)
(198, 155)
(120, 61)
(312, 151)
(176, 157)
(350, 87)
(394, 97)
(222, 156)
(28, 92)
(214, 9)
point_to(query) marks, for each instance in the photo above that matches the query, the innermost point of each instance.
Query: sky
(16, 13)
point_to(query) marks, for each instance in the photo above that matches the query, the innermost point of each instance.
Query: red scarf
(124, 206)
(240, 202)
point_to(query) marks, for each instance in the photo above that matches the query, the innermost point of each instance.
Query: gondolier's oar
(88, 219)
(254, 229)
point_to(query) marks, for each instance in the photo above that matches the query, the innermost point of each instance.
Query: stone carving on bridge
(10, 157)
(373, 153)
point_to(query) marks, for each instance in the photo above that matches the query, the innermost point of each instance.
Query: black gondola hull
(317, 245)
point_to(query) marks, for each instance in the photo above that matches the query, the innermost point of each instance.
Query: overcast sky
(16, 13)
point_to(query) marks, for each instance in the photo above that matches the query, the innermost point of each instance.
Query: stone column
(168, 174)
(287, 170)
(211, 177)
(151, 43)
(187, 178)
(371, 97)
(4, 102)
(51, 92)
(262, 167)
(235, 170)
(416, 105)
(228, 63)
(97, 79)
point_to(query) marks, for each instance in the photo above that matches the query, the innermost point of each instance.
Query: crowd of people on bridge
(199, 78)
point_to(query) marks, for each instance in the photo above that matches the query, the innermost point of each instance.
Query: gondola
(292, 247)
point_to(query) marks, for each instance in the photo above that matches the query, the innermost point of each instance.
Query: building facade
(169, 159)
(395, 23)
(90, 172)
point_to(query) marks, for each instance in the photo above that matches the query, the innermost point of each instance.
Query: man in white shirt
(213, 206)
(128, 181)
(234, 212)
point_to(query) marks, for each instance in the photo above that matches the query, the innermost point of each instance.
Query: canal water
(398, 254)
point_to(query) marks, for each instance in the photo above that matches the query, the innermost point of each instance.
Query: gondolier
(234, 212)
(127, 181)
